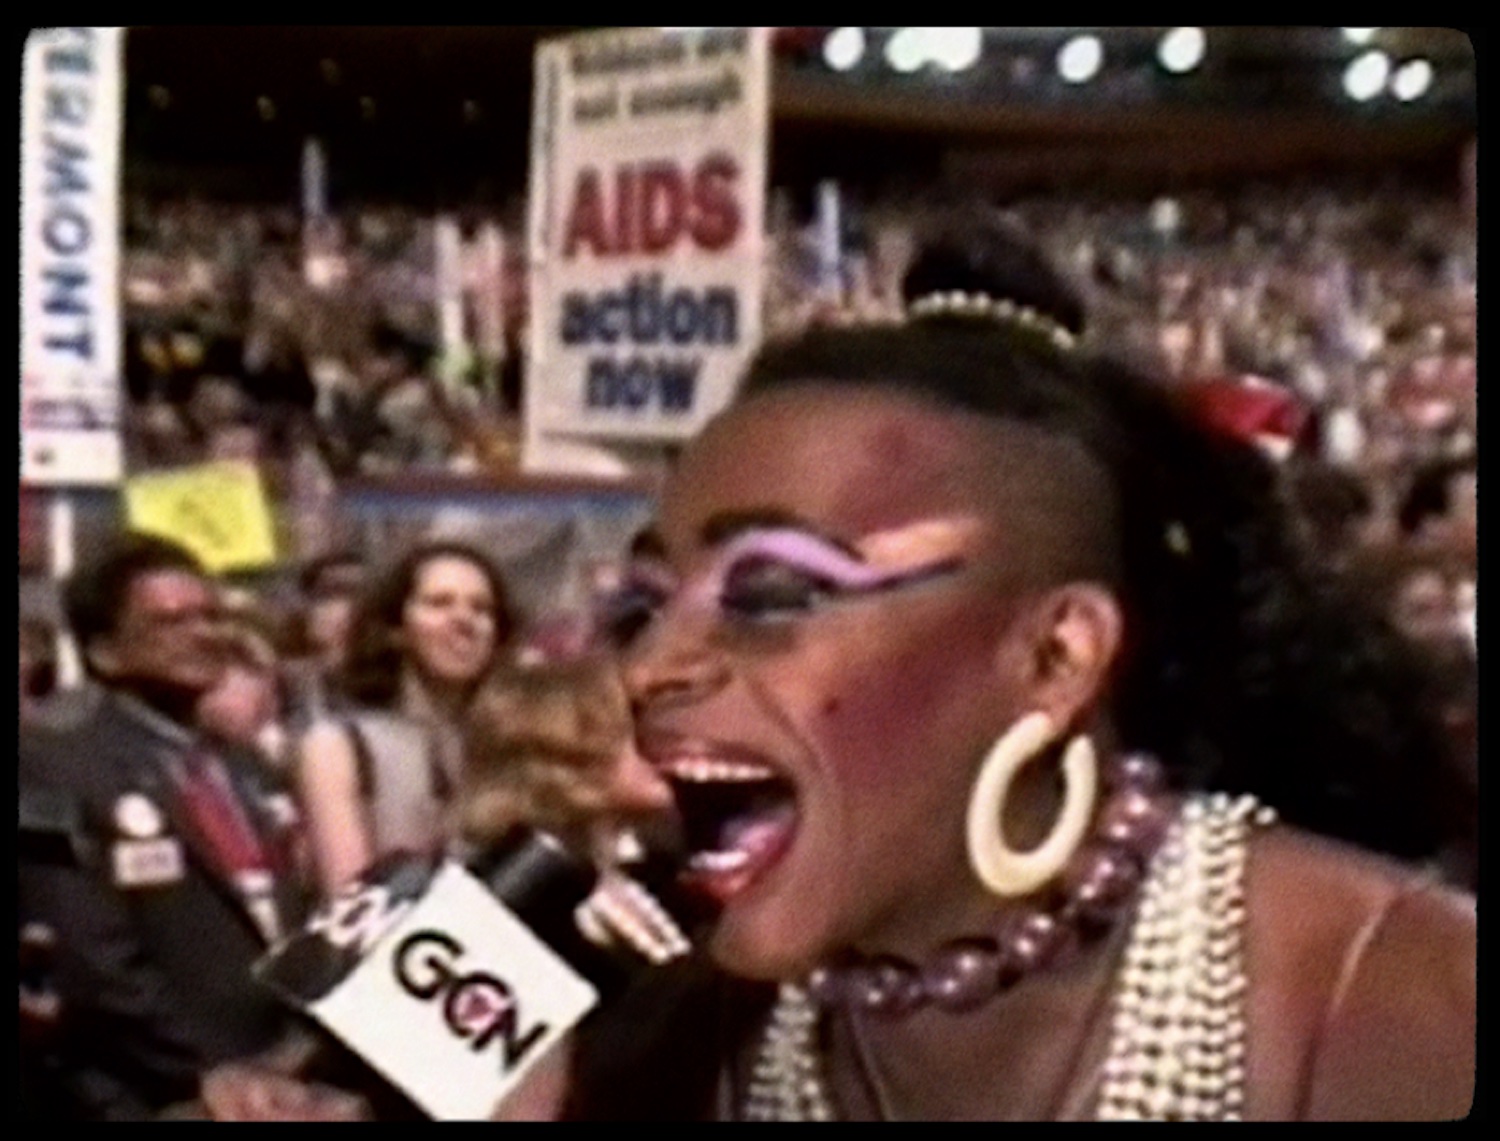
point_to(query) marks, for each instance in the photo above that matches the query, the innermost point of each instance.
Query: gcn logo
(476, 1006)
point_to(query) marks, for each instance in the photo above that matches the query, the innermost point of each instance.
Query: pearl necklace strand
(1177, 1042)
(1177, 1035)
(787, 1084)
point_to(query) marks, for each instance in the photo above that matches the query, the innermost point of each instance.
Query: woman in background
(249, 707)
(379, 777)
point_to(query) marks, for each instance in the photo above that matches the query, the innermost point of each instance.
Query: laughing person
(380, 777)
(1034, 772)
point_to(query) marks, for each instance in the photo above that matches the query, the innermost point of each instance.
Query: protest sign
(71, 394)
(217, 511)
(646, 230)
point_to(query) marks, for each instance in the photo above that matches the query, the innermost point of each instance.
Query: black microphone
(450, 980)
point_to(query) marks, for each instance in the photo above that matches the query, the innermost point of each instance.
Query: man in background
(181, 882)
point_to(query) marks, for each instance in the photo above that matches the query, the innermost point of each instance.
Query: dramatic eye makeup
(763, 589)
(780, 574)
(762, 576)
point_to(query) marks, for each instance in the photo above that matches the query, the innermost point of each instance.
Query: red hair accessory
(1250, 409)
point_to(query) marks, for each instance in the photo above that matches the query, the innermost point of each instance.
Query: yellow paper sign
(217, 511)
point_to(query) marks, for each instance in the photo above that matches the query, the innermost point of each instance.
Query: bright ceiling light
(1412, 79)
(844, 48)
(1366, 76)
(1080, 59)
(1359, 35)
(955, 49)
(907, 49)
(1165, 216)
(1181, 49)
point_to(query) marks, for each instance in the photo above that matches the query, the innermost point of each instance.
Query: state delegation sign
(647, 229)
(70, 321)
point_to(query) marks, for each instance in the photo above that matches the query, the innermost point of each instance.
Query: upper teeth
(730, 861)
(703, 769)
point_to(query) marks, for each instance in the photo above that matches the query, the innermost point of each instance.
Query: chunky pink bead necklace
(1097, 887)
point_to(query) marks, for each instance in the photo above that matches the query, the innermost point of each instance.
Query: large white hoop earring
(1002, 869)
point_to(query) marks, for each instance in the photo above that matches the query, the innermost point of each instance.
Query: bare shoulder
(1289, 867)
(324, 732)
(326, 757)
(1362, 982)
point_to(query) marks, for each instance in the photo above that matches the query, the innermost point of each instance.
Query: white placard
(71, 392)
(830, 239)
(646, 229)
(458, 1001)
(449, 272)
(487, 280)
(314, 181)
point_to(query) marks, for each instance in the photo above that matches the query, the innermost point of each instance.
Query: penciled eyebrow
(726, 526)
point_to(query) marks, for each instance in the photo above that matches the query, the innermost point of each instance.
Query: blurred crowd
(308, 349)
(1360, 298)
(318, 352)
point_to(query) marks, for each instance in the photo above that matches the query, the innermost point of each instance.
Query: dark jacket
(154, 968)
(658, 1052)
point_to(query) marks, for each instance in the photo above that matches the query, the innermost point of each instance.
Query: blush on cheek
(883, 722)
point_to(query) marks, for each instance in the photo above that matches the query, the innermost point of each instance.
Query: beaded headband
(957, 303)
(960, 304)
(1004, 311)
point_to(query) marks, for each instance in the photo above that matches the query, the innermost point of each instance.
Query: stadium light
(955, 49)
(1181, 49)
(1080, 59)
(844, 48)
(1412, 80)
(1365, 77)
(907, 49)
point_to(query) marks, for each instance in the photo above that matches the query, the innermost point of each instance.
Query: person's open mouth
(739, 817)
